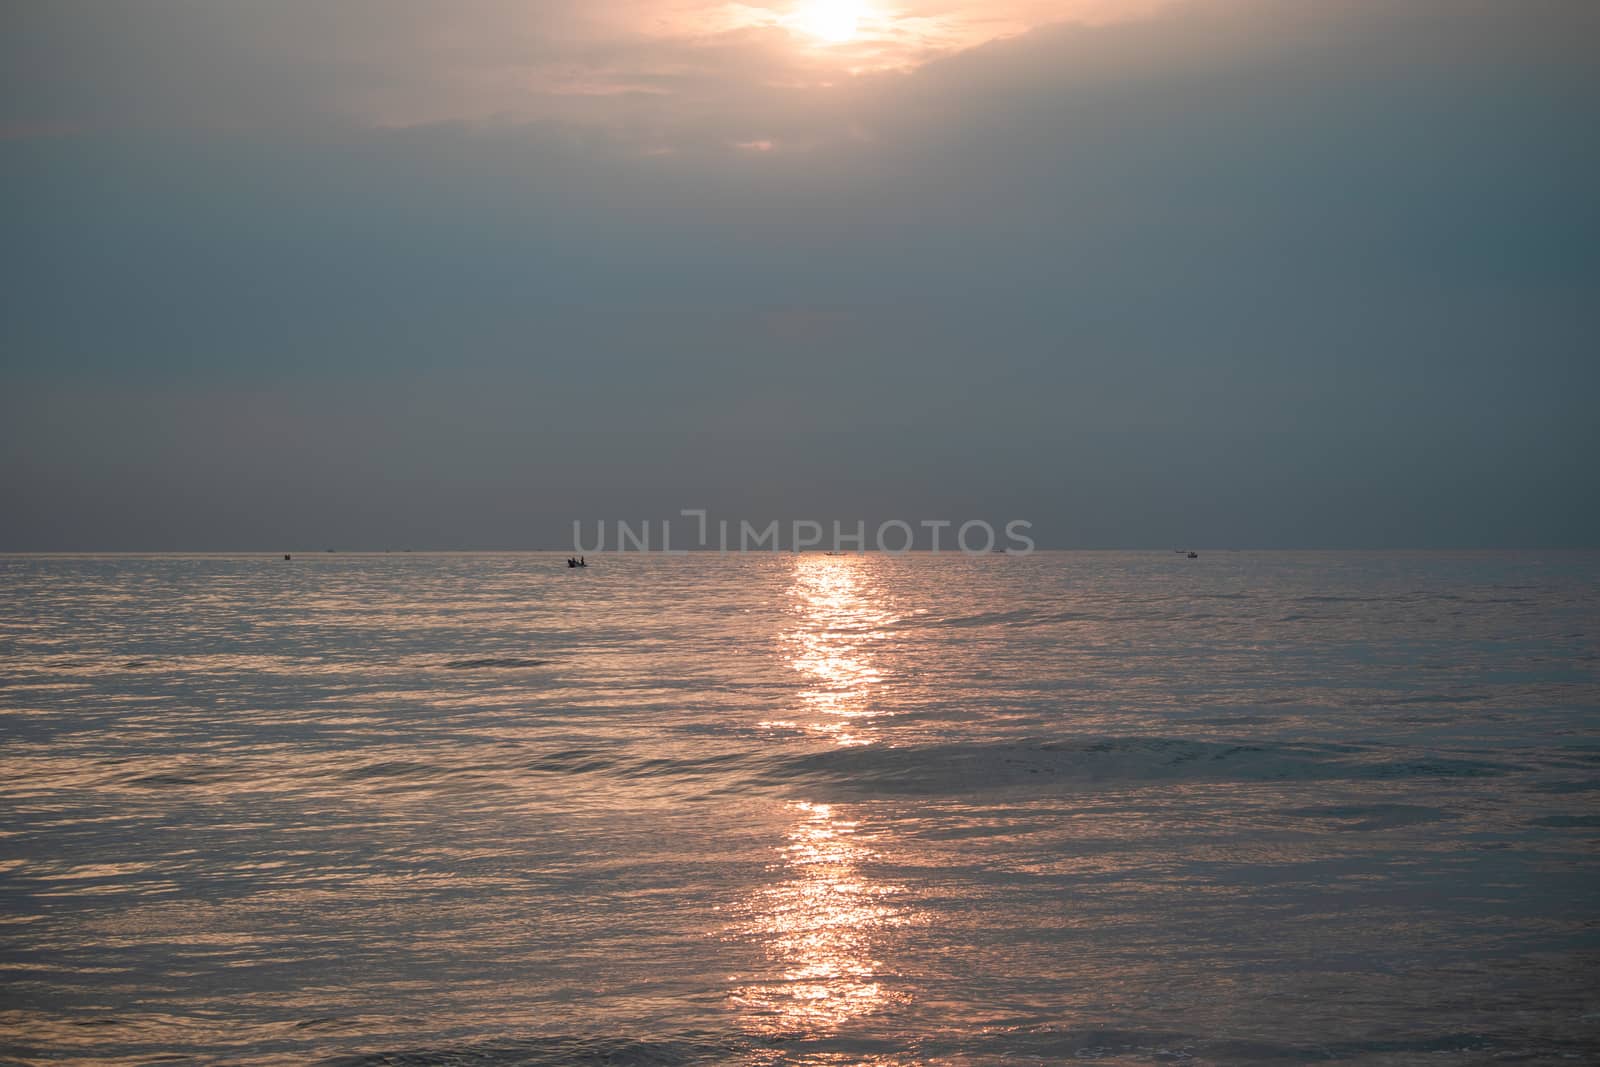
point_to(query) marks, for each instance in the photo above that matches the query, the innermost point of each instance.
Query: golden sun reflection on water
(841, 618)
(823, 927)
(823, 922)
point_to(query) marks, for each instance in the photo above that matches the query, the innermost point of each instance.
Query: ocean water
(1255, 808)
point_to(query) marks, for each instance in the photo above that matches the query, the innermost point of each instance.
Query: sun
(834, 21)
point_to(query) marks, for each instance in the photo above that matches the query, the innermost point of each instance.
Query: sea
(808, 809)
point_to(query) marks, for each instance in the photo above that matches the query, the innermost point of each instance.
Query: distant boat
(579, 562)
(286, 555)
(1194, 555)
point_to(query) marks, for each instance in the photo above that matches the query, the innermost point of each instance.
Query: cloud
(172, 64)
(1259, 272)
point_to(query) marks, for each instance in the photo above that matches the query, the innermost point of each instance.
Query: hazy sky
(385, 273)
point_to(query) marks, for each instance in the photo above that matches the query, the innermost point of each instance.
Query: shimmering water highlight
(801, 809)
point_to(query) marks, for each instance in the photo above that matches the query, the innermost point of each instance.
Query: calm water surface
(778, 809)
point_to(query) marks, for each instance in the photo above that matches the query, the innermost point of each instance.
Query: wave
(1157, 1046)
(1572, 822)
(1048, 1044)
(493, 662)
(933, 768)
(987, 618)
(966, 767)
(1370, 816)
(539, 1051)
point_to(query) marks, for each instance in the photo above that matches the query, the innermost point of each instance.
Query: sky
(385, 273)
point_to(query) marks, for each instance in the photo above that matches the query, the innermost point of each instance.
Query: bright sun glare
(834, 21)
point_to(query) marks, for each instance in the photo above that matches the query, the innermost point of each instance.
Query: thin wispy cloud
(175, 63)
